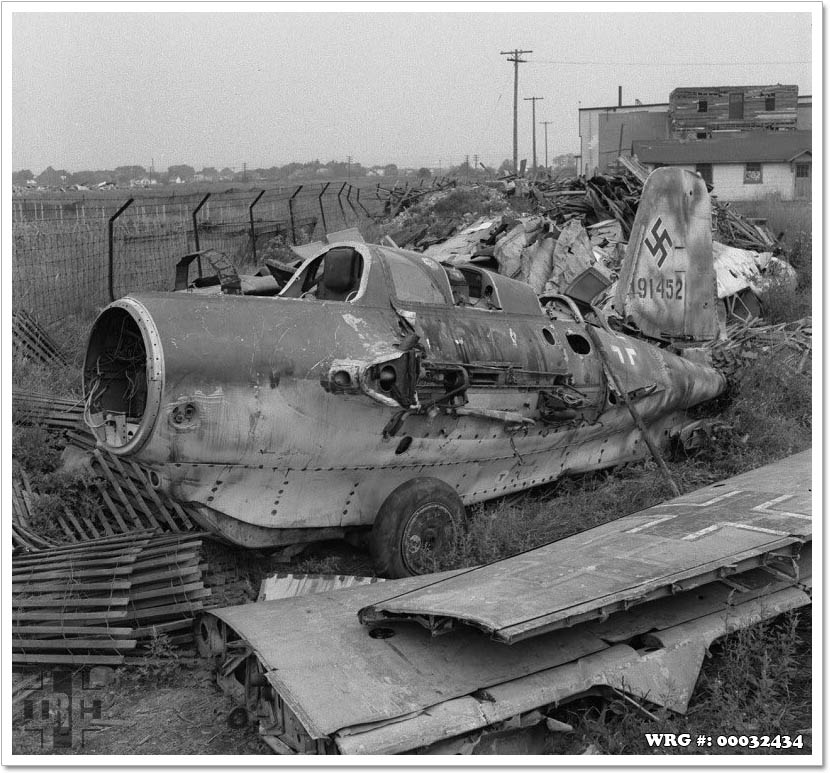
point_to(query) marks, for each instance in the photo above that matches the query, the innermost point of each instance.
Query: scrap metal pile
(747, 340)
(574, 241)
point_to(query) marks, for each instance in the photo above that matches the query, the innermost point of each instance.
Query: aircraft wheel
(417, 529)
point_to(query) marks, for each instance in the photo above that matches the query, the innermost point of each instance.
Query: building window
(752, 174)
(705, 171)
(702, 106)
(802, 170)
(736, 106)
(769, 102)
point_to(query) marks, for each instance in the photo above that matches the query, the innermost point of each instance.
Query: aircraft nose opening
(122, 377)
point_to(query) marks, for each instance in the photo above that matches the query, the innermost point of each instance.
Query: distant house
(702, 111)
(698, 112)
(748, 165)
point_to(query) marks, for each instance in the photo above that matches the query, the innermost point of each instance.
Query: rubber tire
(386, 541)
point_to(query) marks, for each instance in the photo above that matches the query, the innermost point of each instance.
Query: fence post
(357, 199)
(196, 232)
(349, 201)
(111, 247)
(322, 208)
(340, 201)
(251, 214)
(291, 213)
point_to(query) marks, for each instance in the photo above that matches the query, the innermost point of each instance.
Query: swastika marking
(661, 239)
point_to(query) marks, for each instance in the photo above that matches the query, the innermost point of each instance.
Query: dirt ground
(185, 713)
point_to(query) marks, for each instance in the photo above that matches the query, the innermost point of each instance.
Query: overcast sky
(99, 90)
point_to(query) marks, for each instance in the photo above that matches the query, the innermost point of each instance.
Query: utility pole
(534, 100)
(475, 163)
(545, 124)
(348, 167)
(516, 60)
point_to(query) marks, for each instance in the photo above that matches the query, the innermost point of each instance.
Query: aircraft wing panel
(367, 695)
(334, 673)
(759, 518)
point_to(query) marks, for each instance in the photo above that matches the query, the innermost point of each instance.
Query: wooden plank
(33, 586)
(117, 486)
(153, 494)
(22, 509)
(65, 602)
(75, 564)
(175, 590)
(37, 541)
(91, 526)
(60, 574)
(154, 577)
(151, 630)
(178, 540)
(87, 549)
(52, 616)
(83, 630)
(69, 533)
(77, 526)
(181, 561)
(131, 485)
(172, 597)
(132, 539)
(188, 524)
(73, 644)
(173, 609)
(102, 490)
(74, 659)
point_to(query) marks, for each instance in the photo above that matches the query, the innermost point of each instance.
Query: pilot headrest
(340, 266)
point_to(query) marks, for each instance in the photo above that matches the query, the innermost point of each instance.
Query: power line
(664, 64)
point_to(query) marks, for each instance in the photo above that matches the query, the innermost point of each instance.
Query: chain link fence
(61, 246)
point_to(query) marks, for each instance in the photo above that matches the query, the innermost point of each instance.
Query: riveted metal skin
(281, 418)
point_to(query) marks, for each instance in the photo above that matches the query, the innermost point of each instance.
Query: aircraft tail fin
(667, 287)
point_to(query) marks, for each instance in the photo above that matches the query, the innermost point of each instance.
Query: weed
(319, 565)
(35, 449)
(57, 492)
(462, 201)
(751, 685)
(784, 303)
(159, 664)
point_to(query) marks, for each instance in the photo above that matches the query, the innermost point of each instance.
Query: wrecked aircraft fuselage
(380, 387)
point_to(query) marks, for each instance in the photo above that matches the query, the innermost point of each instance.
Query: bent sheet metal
(759, 518)
(330, 685)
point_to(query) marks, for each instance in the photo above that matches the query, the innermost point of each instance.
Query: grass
(791, 222)
(757, 678)
(755, 682)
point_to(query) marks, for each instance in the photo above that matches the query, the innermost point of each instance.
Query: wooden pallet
(90, 604)
(31, 341)
(54, 413)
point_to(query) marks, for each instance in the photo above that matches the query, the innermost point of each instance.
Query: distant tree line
(123, 176)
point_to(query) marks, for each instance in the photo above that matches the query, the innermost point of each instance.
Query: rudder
(667, 287)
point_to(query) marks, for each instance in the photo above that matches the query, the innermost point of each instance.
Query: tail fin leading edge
(667, 286)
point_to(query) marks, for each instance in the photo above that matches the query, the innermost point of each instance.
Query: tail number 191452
(667, 289)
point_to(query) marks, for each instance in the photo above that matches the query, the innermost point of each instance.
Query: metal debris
(746, 340)
(283, 586)
(407, 692)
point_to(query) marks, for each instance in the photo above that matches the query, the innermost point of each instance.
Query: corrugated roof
(747, 147)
